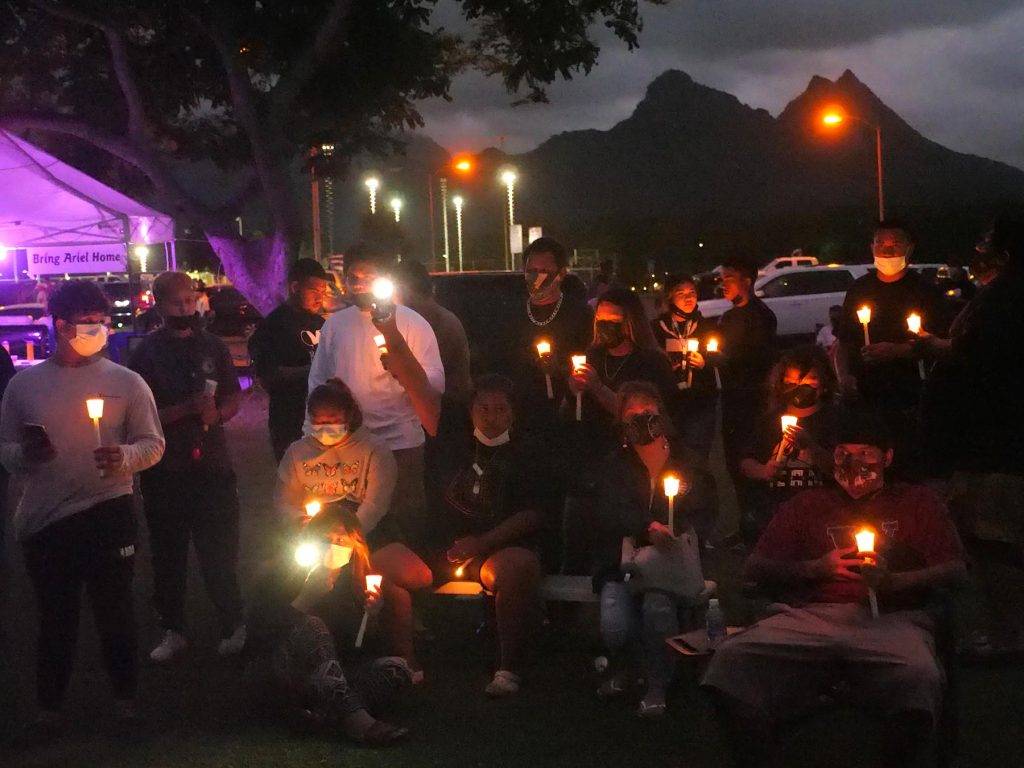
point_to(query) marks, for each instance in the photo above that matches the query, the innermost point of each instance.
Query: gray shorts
(783, 664)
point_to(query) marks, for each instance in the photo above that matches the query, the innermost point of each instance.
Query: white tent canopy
(45, 202)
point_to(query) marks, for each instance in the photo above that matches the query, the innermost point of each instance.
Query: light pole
(458, 202)
(508, 178)
(372, 183)
(444, 224)
(837, 117)
(396, 206)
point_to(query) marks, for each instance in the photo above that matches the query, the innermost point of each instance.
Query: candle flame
(379, 341)
(578, 361)
(671, 485)
(373, 581)
(789, 421)
(94, 406)
(712, 345)
(313, 508)
(865, 540)
(914, 323)
(307, 555)
(692, 345)
(543, 348)
(864, 315)
(459, 571)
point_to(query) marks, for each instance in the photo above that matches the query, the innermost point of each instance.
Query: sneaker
(505, 683)
(232, 646)
(172, 644)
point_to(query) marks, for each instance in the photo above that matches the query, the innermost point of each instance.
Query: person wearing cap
(842, 614)
(282, 349)
(191, 494)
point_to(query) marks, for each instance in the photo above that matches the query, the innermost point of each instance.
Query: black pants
(200, 506)
(94, 549)
(740, 409)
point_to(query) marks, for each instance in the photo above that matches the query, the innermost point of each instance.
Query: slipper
(651, 711)
(505, 683)
(382, 734)
(617, 685)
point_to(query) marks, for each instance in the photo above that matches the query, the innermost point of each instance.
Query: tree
(253, 84)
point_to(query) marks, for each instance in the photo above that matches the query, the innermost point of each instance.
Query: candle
(382, 345)
(866, 547)
(373, 581)
(209, 389)
(864, 316)
(787, 422)
(30, 350)
(671, 490)
(307, 554)
(712, 348)
(543, 351)
(94, 406)
(914, 326)
(578, 361)
(462, 568)
(692, 345)
(313, 508)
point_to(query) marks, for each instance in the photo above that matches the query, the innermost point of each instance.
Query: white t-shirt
(347, 351)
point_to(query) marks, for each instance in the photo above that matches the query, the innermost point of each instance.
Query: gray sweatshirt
(54, 396)
(360, 469)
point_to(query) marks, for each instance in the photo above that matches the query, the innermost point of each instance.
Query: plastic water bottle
(715, 623)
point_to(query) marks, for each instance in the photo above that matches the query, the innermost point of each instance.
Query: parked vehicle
(795, 259)
(22, 324)
(127, 300)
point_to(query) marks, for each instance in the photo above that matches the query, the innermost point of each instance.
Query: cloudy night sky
(951, 68)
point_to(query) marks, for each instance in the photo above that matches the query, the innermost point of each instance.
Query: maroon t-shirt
(913, 531)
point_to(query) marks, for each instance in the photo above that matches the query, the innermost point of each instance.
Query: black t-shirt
(570, 332)
(798, 472)
(284, 339)
(671, 333)
(176, 369)
(896, 383)
(747, 347)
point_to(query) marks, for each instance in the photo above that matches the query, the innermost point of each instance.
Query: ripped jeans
(632, 624)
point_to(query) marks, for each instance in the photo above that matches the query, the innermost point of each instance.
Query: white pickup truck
(800, 296)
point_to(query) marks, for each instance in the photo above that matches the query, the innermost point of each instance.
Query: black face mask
(183, 322)
(677, 312)
(610, 333)
(801, 396)
(643, 429)
(363, 300)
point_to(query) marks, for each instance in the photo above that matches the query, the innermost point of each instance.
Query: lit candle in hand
(671, 491)
(373, 582)
(94, 406)
(866, 547)
(864, 316)
(712, 348)
(313, 508)
(578, 361)
(787, 422)
(543, 352)
(914, 326)
(692, 346)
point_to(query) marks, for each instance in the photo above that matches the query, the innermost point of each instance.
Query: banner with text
(77, 259)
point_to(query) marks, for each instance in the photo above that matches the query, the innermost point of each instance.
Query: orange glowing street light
(463, 165)
(834, 116)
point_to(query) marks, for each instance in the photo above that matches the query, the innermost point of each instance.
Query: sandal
(651, 710)
(505, 683)
(617, 685)
(382, 734)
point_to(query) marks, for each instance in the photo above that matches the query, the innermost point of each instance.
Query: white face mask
(337, 557)
(328, 434)
(491, 442)
(890, 265)
(89, 338)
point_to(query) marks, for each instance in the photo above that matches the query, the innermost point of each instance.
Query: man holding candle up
(876, 361)
(191, 494)
(75, 516)
(823, 625)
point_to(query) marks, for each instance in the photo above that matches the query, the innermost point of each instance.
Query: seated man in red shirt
(824, 629)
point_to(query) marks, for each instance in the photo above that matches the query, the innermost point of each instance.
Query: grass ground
(201, 716)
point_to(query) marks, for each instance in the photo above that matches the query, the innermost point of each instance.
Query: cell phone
(35, 432)
(382, 310)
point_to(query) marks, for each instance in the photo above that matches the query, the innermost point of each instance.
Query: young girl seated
(290, 647)
(801, 385)
(495, 498)
(339, 459)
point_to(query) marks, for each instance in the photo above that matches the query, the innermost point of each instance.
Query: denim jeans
(641, 623)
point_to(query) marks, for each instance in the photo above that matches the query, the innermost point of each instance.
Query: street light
(462, 166)
(458, 202)
(396, 206)
(372, 183)
(508, 178)
(834, 117)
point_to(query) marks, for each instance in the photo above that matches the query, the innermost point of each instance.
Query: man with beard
(388, 357)
(191, 494)
(823, 627)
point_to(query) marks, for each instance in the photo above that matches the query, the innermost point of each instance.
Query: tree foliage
(252, 84)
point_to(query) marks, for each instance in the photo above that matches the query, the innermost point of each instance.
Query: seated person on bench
(824, 631)
(644, 571)
(494, 503)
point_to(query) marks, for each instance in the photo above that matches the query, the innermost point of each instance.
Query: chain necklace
(554, 313)
(611, 378)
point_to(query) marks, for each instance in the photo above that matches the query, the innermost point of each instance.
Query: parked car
(800, 296)
(22, 324)
(795, 259)
(232, 313)
(127, 300)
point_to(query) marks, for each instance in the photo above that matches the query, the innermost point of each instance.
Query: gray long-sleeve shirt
(54, 396)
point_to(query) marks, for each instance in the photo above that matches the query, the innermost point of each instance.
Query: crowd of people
(398, 471)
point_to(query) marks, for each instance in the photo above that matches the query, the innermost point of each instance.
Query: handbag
(677, 572)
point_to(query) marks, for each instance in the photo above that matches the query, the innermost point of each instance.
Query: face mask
(337, 557)
(890, 265)
(363, 300)
(801, 396)
(182, 322)
(328, 434)
(644, 429)
(610, 333)
(859, 478)
(491, 442)
(540, 283)
(89, 339)
(677, 312)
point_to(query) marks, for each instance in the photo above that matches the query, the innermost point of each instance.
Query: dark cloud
(951, 69)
